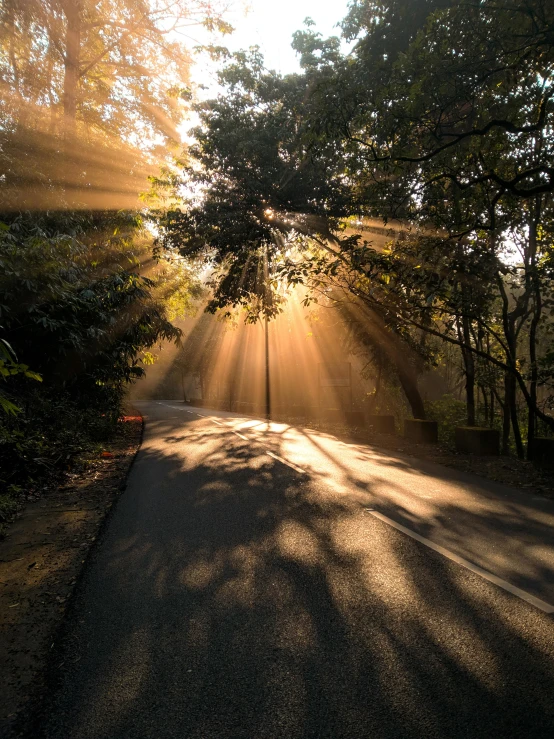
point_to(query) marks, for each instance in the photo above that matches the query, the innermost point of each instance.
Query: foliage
(127, 60)
(77, 293)
(74, 301)
(9, 368)
(450, 412)
(252, 186)
(441, 115)
(446, 101)
(54, 429)
(93, 93)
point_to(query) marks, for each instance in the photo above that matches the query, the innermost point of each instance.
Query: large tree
(439, 116)
(256, 191)
(252, 186)
(92, 95)
(445, 100)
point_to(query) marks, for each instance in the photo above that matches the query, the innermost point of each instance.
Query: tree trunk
(469, 368)
(510, 417)
(72, 9)
(509, 319)
(397, 354)
(515, 426)
(469, 365)
(411, 391)
(485, 403)
(506, 415)
(470, 388)
(537, 311)
(463, 328)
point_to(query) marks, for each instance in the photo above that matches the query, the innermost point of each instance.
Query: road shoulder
(41, 560)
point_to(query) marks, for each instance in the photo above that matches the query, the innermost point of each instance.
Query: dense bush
(78, 314)
(450, 412)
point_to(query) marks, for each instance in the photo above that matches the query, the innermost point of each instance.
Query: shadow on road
(230, 599)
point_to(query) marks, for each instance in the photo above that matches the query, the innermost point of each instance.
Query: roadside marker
(534, 601)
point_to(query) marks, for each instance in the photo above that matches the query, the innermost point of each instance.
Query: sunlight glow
(223, 363)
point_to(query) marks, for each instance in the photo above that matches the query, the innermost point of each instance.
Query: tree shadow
(230, 599)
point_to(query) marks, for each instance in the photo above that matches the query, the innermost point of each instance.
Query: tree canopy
(440, 117)
(92, 97)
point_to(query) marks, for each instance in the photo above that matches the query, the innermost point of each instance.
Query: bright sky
(270, 24)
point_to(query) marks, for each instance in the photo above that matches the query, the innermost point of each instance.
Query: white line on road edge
(289, 464)
(537, 602)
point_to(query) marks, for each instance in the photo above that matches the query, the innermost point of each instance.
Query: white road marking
(508, 587)
(245, 438)
(175, 407)
(289, 464)
(537, 602)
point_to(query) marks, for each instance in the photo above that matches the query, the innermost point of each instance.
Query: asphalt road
(252, 582)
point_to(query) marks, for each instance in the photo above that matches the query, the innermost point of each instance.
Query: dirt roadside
(41, 560)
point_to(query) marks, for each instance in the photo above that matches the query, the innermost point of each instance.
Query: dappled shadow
(515, 544)
(231, 599)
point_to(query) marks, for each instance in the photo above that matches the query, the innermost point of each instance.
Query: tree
(93, 93)
(443, 117)
(258, 192)
(388, 134)
(248, 166)
(113, 65)
(74, 301)
(448, 105)
(82, 316)
(462, 293)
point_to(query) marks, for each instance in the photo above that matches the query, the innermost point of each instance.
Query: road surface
(261, 581)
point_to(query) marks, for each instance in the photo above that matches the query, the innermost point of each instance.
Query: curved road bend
(259, 582)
